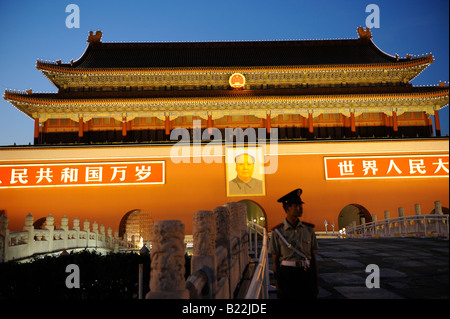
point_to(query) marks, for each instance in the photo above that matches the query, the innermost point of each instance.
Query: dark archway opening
(353, 212)
(255, 213)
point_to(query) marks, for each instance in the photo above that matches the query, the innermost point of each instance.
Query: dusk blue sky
(31, 30)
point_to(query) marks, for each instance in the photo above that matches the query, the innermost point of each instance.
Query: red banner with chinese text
(82, 174)
(399, 166)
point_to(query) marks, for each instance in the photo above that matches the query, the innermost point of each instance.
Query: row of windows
(235, 118)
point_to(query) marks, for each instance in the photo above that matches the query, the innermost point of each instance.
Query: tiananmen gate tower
(139, 132)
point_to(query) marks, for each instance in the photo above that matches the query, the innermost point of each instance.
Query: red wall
(199, 186)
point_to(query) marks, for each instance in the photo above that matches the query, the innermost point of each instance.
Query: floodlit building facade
(139, 132)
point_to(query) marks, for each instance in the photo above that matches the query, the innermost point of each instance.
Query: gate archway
(136, 223)
(353, 212)
(255, 212)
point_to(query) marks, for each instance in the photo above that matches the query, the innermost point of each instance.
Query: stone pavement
(410, 268)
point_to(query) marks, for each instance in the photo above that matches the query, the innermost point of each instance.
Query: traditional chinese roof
(230, 54)
(282, 77)
(163, 58)
(245, 102)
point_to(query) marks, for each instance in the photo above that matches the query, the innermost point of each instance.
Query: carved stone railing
(417, 225)
(32, 242)
(219, 260)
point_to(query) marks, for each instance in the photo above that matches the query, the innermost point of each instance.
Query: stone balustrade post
(102, 232)
(242, 207)
(86, 228)
(401, 212)
(76, 224)
(65, 227)
(49, 225)
(76, 227)
(4, 231)
(29, 219)
(235, 234)
(167, 261)
(95, 231)
(438, 207)
(223, 236)
(110, 238)
(204, 248)
(417, 209)
(387, 225)
(116, 242)
(65, 223)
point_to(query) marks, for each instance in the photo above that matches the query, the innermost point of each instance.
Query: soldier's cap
(292, 197)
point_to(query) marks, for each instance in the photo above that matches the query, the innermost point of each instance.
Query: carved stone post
(401, 223)
(204, 249)
(167, 261)
(438, 208)
(244, 235)
(222, 219)
(49, 225)
(65, 223)
(76, 227)
(65, 227)
(417, 209)
(235, 232)
(4, 231)
(86, 228)
(29, 219)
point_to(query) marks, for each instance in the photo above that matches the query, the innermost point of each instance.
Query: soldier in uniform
(293, 247)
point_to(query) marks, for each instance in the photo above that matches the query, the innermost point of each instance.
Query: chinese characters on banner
(399, 166)
(82, 174)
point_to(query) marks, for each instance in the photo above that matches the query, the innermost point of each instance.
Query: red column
(80, 127)
(36, 130)
(352, 122)
(167, 125)
(394, 121)
(124, 126)
(210, 124)
(268, 123)
(437, 123)
(310, 123)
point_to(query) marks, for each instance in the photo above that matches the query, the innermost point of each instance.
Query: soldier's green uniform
(294, 257)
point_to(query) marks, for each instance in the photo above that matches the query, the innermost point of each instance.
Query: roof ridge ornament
(94, 38)
(364, 34)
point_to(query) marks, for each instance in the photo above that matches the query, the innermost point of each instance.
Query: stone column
(417, 209)
(29, 219)
(4, 231)
(204, 249)
(167, 261)
(223, 233)
(49, 225)
(438, 208)
(65, 227)
(235, 232)
(242, 209)
(76, 227)
(95, 231)
(86, 228)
